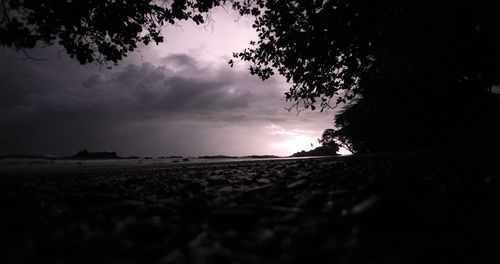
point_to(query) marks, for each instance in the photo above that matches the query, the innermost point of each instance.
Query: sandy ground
(426, 207)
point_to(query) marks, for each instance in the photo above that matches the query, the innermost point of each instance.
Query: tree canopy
(414, 74)
(94, 30)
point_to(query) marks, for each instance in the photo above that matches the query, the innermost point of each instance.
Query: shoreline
(27, 166)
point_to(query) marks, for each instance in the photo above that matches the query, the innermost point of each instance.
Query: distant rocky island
(218, 157)
(87, 155)
(319, 151)
(262, 157)
(240, 157)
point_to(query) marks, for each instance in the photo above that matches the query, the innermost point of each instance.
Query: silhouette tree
(94, 30)
(331, 137)
(329, 149)
(415, 74)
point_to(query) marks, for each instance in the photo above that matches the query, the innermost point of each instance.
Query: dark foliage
(97, 30)
(333, 138)
(329, 146)
(311, 43)
(325, 150)
(86, 155)
(415, 74)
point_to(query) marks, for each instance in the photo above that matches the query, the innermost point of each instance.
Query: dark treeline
(406, 74)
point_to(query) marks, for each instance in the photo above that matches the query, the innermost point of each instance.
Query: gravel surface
(422, 207)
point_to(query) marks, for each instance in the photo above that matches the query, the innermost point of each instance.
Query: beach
(412, 207)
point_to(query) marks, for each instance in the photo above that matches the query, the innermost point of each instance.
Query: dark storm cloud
(58, 107)
(134, 90)
(149, 89)
(180, 59)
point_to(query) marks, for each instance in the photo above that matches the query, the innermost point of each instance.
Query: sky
(177, 98)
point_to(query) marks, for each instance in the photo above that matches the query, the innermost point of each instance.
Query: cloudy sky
(177, 98)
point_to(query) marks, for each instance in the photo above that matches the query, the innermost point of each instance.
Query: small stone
(365, 205)
(140, 229)
(197, 241)
(266, 235)
(226, 189)
(339, 192)
(296, 184)
(257, 188)
(195, 206)
(173, 256)
(215, 179)
(312, 200)
(264, 181)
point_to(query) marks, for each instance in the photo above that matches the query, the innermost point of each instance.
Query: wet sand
(425, 207)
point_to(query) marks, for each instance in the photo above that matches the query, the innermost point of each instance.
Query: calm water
(44, 165)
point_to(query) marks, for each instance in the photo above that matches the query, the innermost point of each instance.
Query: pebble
(296, 183)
